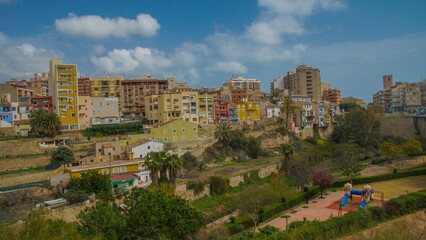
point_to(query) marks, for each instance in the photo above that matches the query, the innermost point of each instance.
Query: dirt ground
(397, 187)
(412, 226)
(375, 170)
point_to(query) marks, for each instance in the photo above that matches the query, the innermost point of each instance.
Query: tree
(103, 220)
(61, 156)
(275, 94)
(174, 165)
(152, 215)
(287, 151)
(161, 157)
(347, 107)
(44, 123)
(412, 147)
(253, 148)
(223, 133)
(288, 108)
(322, 178)
(357, 126)
(154, 166)
(390, 150)
(189, 161)
(91, 182)
(301, 170)
(349, 165)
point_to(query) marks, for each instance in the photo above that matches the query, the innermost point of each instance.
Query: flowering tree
(322, 178)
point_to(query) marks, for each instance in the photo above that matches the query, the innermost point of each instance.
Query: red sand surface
(350, 206)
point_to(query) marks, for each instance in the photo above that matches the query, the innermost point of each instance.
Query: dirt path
(412, 226)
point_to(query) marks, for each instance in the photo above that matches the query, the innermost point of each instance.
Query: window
(123, 169)
(104, 171)
(115, 170)
(174, 130)
(174, 138)
(165, 139)
(183, 129)
(165, 131)
(195, 129)
(72, 114)
(149, 147)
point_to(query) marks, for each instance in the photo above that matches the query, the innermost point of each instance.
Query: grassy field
(397, 187)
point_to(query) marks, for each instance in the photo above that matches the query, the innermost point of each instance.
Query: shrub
(189, 161)
(104, 130)
(395, 170)
(377, 213)
(218, 185)
(197, 186)
(267, 231)
(410, 202)
(75, 196)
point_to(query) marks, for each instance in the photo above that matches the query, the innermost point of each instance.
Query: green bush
(218, 185)
(377, 213)
(197, 186)
(410, 202)
(75, 196)
(104, 130)
(382, 177)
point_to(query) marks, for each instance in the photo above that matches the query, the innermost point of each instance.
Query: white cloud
(228, 67)
(99, 49)
(94, 26)
(22, 60)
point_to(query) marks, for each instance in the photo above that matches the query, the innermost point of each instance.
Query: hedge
(382, 177)
(114, 129)
(411, 202)
(245, 222)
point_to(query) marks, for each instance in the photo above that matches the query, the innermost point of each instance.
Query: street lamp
(286, 221)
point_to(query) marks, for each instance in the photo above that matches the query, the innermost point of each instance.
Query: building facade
(63, 88)
(332, 95)
(104, 111)
(205, 109)
(44, 102)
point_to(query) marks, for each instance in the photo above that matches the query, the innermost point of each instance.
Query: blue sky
(353, 43)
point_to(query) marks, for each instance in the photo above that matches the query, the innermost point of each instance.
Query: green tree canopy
(288, 108)
(144, 215)
(357, 126)
(347, 107)
(44, 123)
(91, 182)
(390, 150)
(61, 156)
(412, 147)
(223, 133)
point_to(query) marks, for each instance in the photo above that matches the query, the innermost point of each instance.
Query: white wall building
(142, 148)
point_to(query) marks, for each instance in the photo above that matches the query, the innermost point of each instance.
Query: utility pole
(110, 175)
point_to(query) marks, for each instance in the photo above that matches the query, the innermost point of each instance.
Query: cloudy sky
(353, 43)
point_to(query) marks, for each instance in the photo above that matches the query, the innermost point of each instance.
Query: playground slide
(363, 204)
(345, 200)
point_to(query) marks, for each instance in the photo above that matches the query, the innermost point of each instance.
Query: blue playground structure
(366, 195)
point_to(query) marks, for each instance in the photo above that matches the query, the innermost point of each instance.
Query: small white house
(140, 149)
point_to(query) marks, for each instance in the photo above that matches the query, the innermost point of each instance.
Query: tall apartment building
(105, 87)
(332, 95)
(205, 108)
(190, 106)
(63, 88)
(305, 81)
(238, 82)
(387, 81)
(134, 90)
(161, 108)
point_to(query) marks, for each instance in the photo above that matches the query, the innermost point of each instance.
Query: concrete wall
(401, 127)
(25, 178)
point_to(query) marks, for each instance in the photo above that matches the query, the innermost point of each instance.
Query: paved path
(314, 211)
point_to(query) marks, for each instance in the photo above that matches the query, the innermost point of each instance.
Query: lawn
(397, 187)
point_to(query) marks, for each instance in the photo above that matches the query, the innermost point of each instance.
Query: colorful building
(6, 116)
(232, 113)
(22, 127)
(64, 90)
(84, 87)
(171, 132)
(253, 110)
(117, 167)
(221, 112)
(205, 108)
(44, 102)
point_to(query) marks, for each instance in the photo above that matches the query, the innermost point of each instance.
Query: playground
(322, 208)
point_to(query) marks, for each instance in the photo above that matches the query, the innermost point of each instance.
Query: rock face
(274, 141)
(235, 181)
(189, 194)
(267, 171)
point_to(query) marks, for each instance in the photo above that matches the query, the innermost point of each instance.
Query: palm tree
(154, 166)
(162, 159)
(174, 164)
(276, 93)
(287, 108)
(287, 151)
(45, 124)
(223, 133)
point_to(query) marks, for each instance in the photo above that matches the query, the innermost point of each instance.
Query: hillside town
(234, 120)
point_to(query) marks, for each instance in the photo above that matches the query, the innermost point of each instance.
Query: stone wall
(23, 146)
(25, 178)
(274, 142)
(235, 181)
(7, 131)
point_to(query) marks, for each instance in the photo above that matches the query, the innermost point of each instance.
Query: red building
(44, 102)
(84, 87)
(221, 114)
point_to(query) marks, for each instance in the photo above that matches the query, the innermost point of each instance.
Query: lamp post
(110, 175)
(286, 221)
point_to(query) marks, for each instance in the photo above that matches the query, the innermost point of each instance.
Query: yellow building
(253, 110)
(22, 127)
(241, 111)
(170, 132)
(117, 167)
(206, 108)
(105, 87)
(63, 88)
